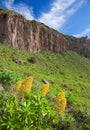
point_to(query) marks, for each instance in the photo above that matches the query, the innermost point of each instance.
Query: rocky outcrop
(33, 36)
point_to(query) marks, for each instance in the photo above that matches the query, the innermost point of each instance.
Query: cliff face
(34, 36)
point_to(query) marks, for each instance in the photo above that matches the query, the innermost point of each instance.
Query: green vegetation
(67, 72)
(31, 113)
(4, 11)
(8, 78)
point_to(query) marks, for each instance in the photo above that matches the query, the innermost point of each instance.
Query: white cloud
(20, 8)
(84, 33)
(56, 17)
(59, 12)
(75, 7)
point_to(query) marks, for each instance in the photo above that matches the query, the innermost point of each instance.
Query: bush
(66, 122)
(32, 60)
(26, 110)
(83, 117)
(31, 113)
(7, 78)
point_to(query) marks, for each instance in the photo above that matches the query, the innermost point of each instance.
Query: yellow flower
(18, 85)
(60, 95)
(60, 103)
(24, 86)
(44, 89)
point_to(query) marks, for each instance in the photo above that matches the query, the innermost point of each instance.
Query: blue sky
(71, 17)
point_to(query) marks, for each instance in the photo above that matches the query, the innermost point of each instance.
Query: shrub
(8, 78)
(83, 117)
(32, 59)
(66, 122)
(32, 113)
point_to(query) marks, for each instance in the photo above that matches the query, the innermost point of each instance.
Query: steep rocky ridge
(34, 36)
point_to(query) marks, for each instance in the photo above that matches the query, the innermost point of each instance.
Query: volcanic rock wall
(34, 36)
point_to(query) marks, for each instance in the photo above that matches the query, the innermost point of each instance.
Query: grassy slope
(68, 71)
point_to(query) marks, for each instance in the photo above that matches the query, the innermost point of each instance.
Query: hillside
(68, 71)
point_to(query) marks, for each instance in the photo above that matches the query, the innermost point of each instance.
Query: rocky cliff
(34, 36)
